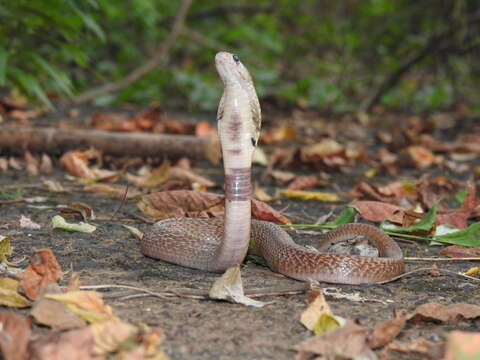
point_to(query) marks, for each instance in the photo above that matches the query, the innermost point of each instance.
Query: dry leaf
(229, 287)
(114, 191)
(53, 186)
(27, 223)
(52, 313)
(379, 211)
(310, 195)
(78, 210)
(46, 164)
(419, 346)
(333, 344)
(456, 251)
(261, 194)
(436, 312)
(318, 317)
(422, 157)
(9, 295)
(304, 182)
(265, 212)
(386, 331)
(87, 304)
(31, 164)
(77, 164)
(109, 335)
(203, 128)
(71, 345)
(134, 231)
(43, 269)
(5, 249)
(14, 336)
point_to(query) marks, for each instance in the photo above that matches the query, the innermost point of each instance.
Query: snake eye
(236, 59)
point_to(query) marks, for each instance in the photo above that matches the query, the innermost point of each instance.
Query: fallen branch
(57, 141)
(297, 288)
(159, 54)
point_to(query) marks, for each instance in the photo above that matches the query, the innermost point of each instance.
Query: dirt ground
(207, 329)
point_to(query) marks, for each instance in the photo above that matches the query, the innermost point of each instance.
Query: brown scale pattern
(193, 243)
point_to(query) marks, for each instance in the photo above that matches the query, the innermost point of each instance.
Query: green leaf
(469, 236)
(425, 224)
(60, 79)
(59, 222)
(3, 65)
(346, 216)
(30, 85)
(88, 21)
(460, 196)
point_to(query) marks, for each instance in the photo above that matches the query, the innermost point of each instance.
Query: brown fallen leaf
(46, 164)
(462, 345)
(114, 191)
(203, 128)
(52, 313)
(31, 164)
(332, 345)
(420, 346)
(14, 336)
(279, 133)
(305, 181)
(110, 335)
(43, 269)
(78, 211)
(456, 251)
(78, 162)
(422, 157)
(386, 331)
(71, 345)
(379, 211)
(261, 194)
(436, 312)
(185, 203)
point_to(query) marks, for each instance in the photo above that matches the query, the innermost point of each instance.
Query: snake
(214, 245)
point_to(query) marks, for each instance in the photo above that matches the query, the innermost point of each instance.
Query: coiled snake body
(215, 245)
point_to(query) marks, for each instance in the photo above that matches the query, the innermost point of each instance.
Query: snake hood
(235, 75)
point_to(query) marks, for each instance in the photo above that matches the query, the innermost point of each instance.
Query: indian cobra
(215, 245)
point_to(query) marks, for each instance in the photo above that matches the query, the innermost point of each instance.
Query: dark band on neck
(238, 185)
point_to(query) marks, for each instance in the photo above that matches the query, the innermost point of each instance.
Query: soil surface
(208, 329)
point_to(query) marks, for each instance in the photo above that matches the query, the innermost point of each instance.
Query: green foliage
(329, 55)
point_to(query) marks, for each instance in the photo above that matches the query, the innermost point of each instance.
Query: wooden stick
(57, 141)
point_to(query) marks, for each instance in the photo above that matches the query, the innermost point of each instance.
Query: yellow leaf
(318, 307)
(310, 195)
(5, 249)
(9, 295)
(370, 173)
(86, 304)
(325, 322)
(473, 271)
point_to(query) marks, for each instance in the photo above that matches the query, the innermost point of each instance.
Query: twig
(442, 259)
(426, 269)
(121, 203)
(297, 288)
(159, 54)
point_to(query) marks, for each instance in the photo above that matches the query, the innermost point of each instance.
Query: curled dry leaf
(305, 181)
(114, 191)
(262, 211)
(77, 210)
(110, 334)
(261, 194)
(436, 312)
(43, 269)
(31, 164)
(229, 287)
(14, 336)
(77, 164)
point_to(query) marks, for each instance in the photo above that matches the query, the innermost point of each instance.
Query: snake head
(235, 75)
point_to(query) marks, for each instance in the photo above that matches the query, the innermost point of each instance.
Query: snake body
(215, 245)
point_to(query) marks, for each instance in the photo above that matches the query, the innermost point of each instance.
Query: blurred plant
(413, 55)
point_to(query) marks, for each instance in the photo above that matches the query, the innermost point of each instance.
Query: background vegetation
(337, 56)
